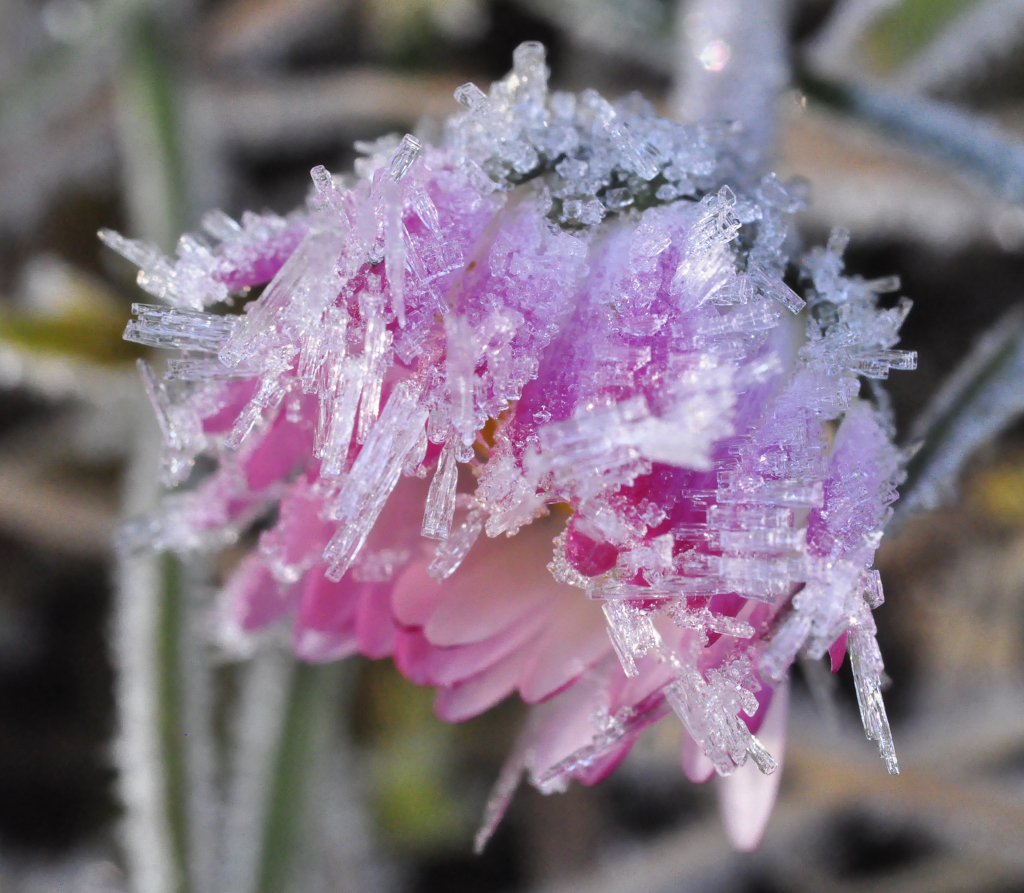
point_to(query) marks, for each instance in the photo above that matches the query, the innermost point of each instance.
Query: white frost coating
(632, 633)
(179, 329)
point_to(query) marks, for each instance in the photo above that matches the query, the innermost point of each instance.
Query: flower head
(568, 327)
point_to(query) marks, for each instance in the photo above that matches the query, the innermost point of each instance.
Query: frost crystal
(569, 318)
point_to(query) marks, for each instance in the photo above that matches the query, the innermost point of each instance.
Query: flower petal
(474, 696)
(325, 625)
(375, 629)
(255, 597)
(696, 766)
(278, 453)
(415, 596)
(746, 797)
(501, 582)
(837, 652)
(449, 666)
(574, 641)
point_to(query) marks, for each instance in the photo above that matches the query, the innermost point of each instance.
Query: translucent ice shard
(440, 508)
(373, 476)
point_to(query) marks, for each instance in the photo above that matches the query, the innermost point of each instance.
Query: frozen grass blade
(977, 402)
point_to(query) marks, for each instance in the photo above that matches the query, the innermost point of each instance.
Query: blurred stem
(975, 147)
(732, 64)
(978, 401)
(154, 762)
(314, 691)
(149, 129)
(151, 862)
(170, 632)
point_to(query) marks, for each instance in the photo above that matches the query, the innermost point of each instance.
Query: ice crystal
(571, 303)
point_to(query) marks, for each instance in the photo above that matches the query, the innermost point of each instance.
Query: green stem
(172, 732)
(150, 131)
(313, 693)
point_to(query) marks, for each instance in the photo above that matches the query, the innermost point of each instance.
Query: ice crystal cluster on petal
(539, 409)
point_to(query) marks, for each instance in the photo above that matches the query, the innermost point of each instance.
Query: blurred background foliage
(139, 116)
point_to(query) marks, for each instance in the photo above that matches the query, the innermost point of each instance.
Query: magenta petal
(837, 652)
(278, 453)
(256, 598)
(575, 640)
(475, 695)
(449, 666)
(500, 583)
(746, 797)
(375, 629)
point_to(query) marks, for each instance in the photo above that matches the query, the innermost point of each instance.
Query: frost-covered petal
(746, 797)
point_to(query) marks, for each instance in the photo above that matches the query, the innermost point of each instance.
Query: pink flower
(563, 328)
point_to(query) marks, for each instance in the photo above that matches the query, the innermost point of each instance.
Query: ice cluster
(572, 321)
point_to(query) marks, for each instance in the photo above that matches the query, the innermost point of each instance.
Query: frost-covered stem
(978, 401)
(731, 65)
(149, 615)
(138, 750)
(972, 145)
(257, 742)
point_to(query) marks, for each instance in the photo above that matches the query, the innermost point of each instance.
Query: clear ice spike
(374, 475)
(440, 509)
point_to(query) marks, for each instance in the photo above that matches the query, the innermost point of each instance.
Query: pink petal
(299, 535)
(696, 766)
(325, 623)
(235, 396)
(500, 583)
(574, 641)
(256, 598)
(624, 691)
(411, 654)
(475, 695)
(569, 722)
(283, 447)
(602, 767)
(448, 666)
(415, 596)
(321, 646)
(565, 723)
(375, 630)
(837, 652)
(746, 797)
